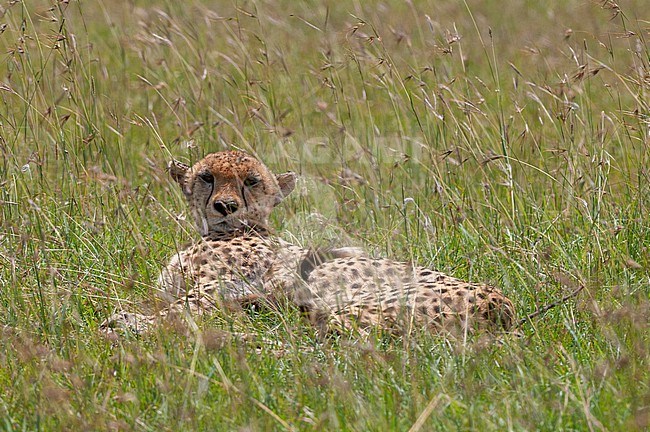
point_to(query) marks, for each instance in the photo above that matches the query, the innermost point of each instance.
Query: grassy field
(505, 142)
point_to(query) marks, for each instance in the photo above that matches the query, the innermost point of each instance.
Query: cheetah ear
(178, 170)
(287, 182)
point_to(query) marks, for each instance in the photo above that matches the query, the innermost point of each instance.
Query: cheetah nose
(225, 207)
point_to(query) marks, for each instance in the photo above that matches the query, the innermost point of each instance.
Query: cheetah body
(238, 261)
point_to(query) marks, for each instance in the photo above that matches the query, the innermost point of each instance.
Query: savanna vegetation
(505, 142)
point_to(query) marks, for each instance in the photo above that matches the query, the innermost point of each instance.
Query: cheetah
(238, 261)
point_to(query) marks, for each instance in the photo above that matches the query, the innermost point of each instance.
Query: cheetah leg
(328, 322)
(127, 321)
(138, 324)
(195, 304)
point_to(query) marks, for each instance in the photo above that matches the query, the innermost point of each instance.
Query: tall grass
(505, 143)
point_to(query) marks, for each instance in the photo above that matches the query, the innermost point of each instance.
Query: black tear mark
(207, 201)
(243, 195)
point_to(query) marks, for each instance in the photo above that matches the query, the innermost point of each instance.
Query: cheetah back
(363, 292)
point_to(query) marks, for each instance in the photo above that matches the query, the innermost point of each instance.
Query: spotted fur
(238, 261)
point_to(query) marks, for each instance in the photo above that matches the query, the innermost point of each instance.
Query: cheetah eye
(251, 181)
(206, 177)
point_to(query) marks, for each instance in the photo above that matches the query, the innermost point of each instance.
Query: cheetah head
(230, 190)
